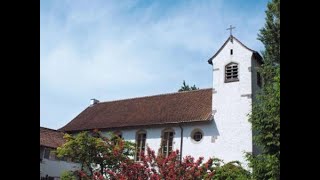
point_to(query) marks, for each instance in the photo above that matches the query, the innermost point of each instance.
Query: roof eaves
(142, 125)
(257, 55)
(49, 129)
(224, 44)
(48, 146)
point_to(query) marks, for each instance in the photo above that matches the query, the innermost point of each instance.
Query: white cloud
(118, 49)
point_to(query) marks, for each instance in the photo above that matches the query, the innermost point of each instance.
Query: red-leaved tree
(112, 158)
(156, 167)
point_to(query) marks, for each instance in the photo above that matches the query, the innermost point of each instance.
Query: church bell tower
(235, 83)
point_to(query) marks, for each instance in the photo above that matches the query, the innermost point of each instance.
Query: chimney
(93, 102)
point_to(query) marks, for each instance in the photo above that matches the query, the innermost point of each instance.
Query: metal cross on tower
(230, 28)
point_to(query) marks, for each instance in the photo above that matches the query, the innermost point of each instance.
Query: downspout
(181, 142)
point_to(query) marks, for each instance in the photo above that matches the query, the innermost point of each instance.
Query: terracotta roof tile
(187, 106)
(51, 138)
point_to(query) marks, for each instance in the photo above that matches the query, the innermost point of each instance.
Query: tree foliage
(230, 171)
(265, 116)
(270, 33)
(265, 120)
(156, 167)
(68, 175)
(95, 152)
(265, 166)
(114, 158)
(186, 87)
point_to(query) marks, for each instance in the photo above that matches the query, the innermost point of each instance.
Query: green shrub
(68, 175)
(231, 171)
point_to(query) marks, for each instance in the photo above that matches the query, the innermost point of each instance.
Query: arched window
(167, 141)
(141, 137)
(231, 72)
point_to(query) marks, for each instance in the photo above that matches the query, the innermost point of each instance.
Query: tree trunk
(101, 168)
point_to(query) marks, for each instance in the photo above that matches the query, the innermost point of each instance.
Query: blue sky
(121, 49)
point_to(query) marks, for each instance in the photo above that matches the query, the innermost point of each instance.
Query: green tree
(270, 33)
(95, 152)
(265, 119)
(68, 175)
(265, 116)
(229, 171)
(186, 87)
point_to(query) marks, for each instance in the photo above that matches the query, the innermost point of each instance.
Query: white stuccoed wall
(235, 134)
(54, 168)
(205, 148)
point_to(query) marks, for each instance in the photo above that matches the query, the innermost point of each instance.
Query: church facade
(210, 122)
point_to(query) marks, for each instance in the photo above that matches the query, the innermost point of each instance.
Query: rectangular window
(46, 153)
(167, 142)
(41, 153)
(140, 145)
(53, 155)
(259, 79)
(231, 51)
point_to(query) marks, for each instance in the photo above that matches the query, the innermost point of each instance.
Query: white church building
(210, 122)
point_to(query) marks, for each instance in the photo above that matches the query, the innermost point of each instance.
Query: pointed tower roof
(231, 38)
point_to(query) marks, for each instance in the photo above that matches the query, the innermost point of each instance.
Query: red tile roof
(186, 106)
(50, 137)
